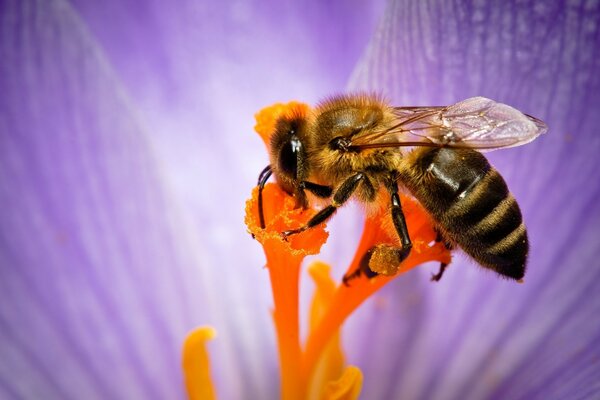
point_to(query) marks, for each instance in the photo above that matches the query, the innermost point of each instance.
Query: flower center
(316, 369)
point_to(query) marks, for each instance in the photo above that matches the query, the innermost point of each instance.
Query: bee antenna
(262, 180)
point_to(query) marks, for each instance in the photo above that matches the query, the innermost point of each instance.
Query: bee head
(288, 156)
(283, 127)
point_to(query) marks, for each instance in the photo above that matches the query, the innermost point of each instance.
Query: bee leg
(321, 191)
(438, 276)
(262, 180)
(363, 268)
(351, 276)
(341, 195)
(443, 266)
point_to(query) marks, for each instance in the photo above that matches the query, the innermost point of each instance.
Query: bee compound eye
(288, 156)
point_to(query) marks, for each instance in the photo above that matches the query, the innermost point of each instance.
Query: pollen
(385, 260)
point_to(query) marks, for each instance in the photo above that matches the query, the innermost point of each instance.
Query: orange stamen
(331, 363)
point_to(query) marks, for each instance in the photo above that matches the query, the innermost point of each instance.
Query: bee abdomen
(473, 207)
(490, 228)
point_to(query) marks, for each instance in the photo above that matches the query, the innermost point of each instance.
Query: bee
(356, 146)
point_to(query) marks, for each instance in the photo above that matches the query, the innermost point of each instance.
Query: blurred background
(127, 152)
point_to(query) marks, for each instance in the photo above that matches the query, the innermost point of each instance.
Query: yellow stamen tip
(331, 361)
(348, 387)
(196, 364)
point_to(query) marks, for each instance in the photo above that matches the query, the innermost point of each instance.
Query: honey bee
(355, 146)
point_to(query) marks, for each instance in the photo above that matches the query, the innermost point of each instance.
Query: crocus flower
(127, 155)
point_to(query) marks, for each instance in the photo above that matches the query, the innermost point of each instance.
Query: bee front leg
(321, 191)
(341, 195)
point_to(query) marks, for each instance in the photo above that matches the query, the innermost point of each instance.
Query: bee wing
(477, 123)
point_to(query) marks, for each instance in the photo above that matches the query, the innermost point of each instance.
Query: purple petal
(85, 222)
(198, 74)
(126, 155)
(474, 335)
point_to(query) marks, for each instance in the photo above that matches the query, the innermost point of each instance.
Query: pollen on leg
(385, 260)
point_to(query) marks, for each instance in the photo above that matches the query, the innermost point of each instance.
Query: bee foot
(362, 269)
(438, 276)
(284, 235)
(348, 277)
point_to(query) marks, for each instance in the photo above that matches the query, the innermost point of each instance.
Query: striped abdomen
(472, 206)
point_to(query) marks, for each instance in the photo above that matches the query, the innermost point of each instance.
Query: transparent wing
(477, 123)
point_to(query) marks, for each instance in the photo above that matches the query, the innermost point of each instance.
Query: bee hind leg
(385, 258)
(399, 221)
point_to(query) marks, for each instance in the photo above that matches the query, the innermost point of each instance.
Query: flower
(126, 160)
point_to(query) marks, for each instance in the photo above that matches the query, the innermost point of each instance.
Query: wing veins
(475, 123)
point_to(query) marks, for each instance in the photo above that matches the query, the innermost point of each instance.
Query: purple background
(127, 152)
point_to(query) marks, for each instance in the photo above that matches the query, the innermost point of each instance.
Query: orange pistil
(283, 261)
(318, 371)
(311, 373)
